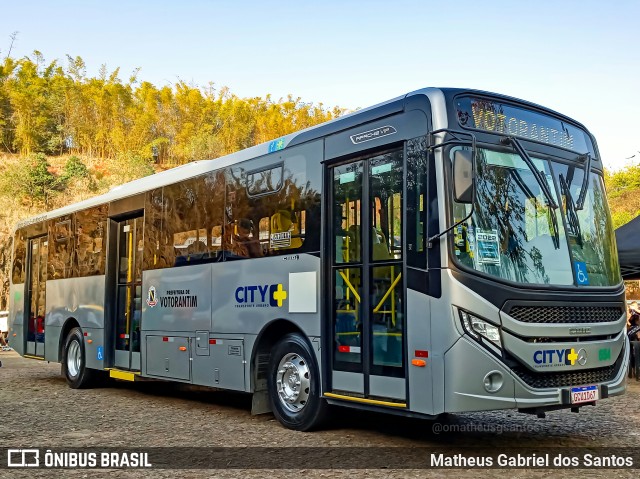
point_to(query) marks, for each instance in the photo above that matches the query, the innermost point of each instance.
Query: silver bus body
(215, 322)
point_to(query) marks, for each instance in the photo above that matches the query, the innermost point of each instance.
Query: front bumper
(467, 364)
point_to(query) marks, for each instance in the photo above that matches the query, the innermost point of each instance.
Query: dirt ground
(40, 410)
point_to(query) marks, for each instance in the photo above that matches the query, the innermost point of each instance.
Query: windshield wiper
(529, 194)
(572, 216)
(585, 183)
(544, 186)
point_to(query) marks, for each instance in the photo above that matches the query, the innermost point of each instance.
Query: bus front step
(123, 375)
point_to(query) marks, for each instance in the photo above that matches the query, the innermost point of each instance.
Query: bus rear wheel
(74, 368)
(294, 384)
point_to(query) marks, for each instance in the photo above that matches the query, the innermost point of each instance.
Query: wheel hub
(74, 358)
(293, 382)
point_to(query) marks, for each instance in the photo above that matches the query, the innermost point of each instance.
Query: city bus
(445, 251)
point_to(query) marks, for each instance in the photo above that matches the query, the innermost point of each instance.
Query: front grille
(570, 339)
(566, 314)
(568, 378)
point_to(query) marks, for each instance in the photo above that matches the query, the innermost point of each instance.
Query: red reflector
(165, 338)
(86, 334)
(343, 349)
(212, 341)
(123, 336)
(421, 354)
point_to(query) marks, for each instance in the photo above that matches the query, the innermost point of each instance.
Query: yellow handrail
(386, 295)
(349, 285)
(127, 312)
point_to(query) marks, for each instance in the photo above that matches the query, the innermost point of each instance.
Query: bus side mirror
(463, 185)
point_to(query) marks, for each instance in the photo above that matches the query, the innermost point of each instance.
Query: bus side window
(183, 222)
(89, 238)
(19, 257)
(61, 248)
(153, 253)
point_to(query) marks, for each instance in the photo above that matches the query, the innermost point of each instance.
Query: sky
(581, 58)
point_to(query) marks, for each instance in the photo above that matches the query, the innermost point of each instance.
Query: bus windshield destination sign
(495, 117)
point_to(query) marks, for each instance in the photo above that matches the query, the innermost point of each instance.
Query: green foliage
(621, 217)
(127, 167)
(31, 180)
(49, 109)
(54, 110)
(74, 168)
(13, 179)
(623, 180)
(41, 183)
(623, 190)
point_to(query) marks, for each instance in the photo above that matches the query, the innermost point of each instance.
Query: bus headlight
(478, 328)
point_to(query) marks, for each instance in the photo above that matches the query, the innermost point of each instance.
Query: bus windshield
(514, 234)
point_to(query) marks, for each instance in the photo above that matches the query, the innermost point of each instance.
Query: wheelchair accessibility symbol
(100, 353)
(581, 272)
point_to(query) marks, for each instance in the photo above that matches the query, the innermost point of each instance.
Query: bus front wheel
(74, 361)
(294, 384)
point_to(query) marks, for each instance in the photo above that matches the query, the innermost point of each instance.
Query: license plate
(584, 394)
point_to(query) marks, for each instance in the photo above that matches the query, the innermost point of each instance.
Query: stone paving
(40, 410)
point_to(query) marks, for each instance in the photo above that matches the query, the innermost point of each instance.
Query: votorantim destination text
(179, 298)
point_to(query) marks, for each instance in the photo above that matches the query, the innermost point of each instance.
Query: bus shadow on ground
(187, 392)
(499, 428)
(486, 429)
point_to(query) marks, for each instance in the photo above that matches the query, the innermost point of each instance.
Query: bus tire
(294, 384)
(74, 368)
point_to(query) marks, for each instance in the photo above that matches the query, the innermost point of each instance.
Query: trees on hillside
(51, 109)
(623, 191)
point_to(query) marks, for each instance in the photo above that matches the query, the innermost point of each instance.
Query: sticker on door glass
(487, 247)
(380, 169)
(347, 177)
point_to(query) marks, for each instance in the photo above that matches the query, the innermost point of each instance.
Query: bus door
(368, 288)
(36, 295)
(128, 292)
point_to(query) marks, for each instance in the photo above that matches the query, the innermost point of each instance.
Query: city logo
(173, 298)
(463, 117)
(559, 357)
(152, 299)
(260, 296)
(178, 298)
